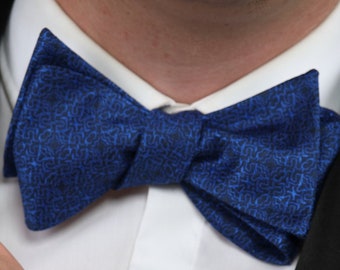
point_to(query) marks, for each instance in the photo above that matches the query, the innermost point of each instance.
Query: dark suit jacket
(321, 249)
(5, 8)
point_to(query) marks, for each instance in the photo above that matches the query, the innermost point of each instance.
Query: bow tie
(252, 169)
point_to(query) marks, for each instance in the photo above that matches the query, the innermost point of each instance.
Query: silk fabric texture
(252, 169)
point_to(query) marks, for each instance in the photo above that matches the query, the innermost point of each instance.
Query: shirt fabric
(147, 228)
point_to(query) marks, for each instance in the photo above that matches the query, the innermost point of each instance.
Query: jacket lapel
(5, 8)
(321, 249)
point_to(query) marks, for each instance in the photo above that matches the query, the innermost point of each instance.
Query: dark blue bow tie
(252, 169)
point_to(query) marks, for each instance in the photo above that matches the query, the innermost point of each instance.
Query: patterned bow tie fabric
(252, 169)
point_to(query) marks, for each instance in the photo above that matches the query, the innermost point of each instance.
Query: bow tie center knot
(166, 149)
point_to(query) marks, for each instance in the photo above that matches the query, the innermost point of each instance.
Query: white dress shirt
(148, 228)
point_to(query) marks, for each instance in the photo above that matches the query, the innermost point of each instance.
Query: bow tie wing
(72, 136)
(261, 162)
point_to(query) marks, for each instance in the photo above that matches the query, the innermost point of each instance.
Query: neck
(190, 49)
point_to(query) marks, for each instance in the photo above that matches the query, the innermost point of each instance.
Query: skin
(188, 49)
(7, 261)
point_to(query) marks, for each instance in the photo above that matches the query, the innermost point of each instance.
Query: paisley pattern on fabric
(252, 169)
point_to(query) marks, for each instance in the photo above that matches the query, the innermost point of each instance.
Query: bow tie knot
(166, 148)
